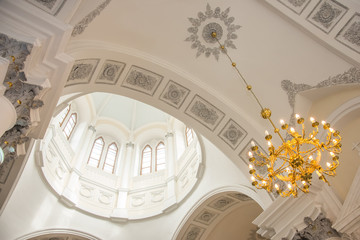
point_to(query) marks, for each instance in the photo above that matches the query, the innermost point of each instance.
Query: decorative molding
(110, 72)
(206, 216)
(208, 22)
(296, 6)
(193, 232)
(222, 203)
(352, 76)
(204, 112)
(22, 96)
(174, 94)
(50, 6)
(142, 80)
(82, 71)
(327, 14)
(232, 134)
(84, 23)
(320, 229)
(349, 35)
(240, 196)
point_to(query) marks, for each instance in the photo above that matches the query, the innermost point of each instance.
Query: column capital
(92, 128)
(169, 134)
(130, 145)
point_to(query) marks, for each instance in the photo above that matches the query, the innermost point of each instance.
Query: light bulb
(312, 119)
(292, 130)
(289, 186)
(323, 122)
(288, 170)
(334, 141)
(303, 182)
(282, 122)
(331, 130)
(332, 154)
(311, 158)
(252, 178)
(252, 143)
(328, 164)
(251, 166)
(263, 182)
(318, 173)
(276, 186)
(266, 132)
(269, 143)
(250, 154)
(297, 116)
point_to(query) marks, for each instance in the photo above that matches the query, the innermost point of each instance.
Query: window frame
(156, 155)
(106, 157)
(142, 159)
(102, 150)
(186, 135)
(67, 113)
(73, 127)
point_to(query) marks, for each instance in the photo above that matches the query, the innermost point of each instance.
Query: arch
(245, 193)
(110, 158)
(70, 125)
(169, 76)
(146, 160)
(96, 152)
(54, 233)
(160, 158)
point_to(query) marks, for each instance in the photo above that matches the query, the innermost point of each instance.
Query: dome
(118, 158)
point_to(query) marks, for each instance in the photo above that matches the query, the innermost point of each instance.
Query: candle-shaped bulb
(264, 182)
(332, 154)
(266, 132)
(328, 164)
(288, 170)
(252, 178)
(311, 158)
(303, 182)
(297, 116)
(250, 154)
(269, 143)
(292, 130)
(323, 122)
(282, 122)
(252, 143)
(276, 186)
(335, 141)
(289, 186)
(331, 130)
(251, 166)
(312, 119)
(318, 173)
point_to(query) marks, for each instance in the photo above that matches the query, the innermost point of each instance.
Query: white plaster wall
(32, 207)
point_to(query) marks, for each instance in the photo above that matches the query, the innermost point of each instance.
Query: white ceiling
(131, 113)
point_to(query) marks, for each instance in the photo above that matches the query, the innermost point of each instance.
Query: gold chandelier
(291, 165)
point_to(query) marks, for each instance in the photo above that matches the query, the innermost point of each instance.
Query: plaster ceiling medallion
(205, 24)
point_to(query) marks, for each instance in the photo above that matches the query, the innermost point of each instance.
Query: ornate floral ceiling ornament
(212, 21)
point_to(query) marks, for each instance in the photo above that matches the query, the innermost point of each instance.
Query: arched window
(110, 159)
(96, 152)
(64, 114)
(189, 136)
(146, 160)
(70, 125)
(160, 160)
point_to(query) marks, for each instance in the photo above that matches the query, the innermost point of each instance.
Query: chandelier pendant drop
(290, 166)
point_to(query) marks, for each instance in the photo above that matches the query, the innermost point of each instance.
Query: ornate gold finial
(213, 34)
(266, 113)
(233, 64)
(249, 87)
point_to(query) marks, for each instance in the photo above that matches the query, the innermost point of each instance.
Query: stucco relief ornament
(297, 3)
(326, 15)
(205, 24)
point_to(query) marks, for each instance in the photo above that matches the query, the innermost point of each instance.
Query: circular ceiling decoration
(205, 24)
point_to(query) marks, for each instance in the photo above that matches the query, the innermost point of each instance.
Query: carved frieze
(193, 232)
(142, 80)
(327, 14)
(232, 134)
(204, 112)
(110, 72)
(350, 33)
(222, 203)
(206, 216)
(174, 94)
(297, 6)
(50, 6)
